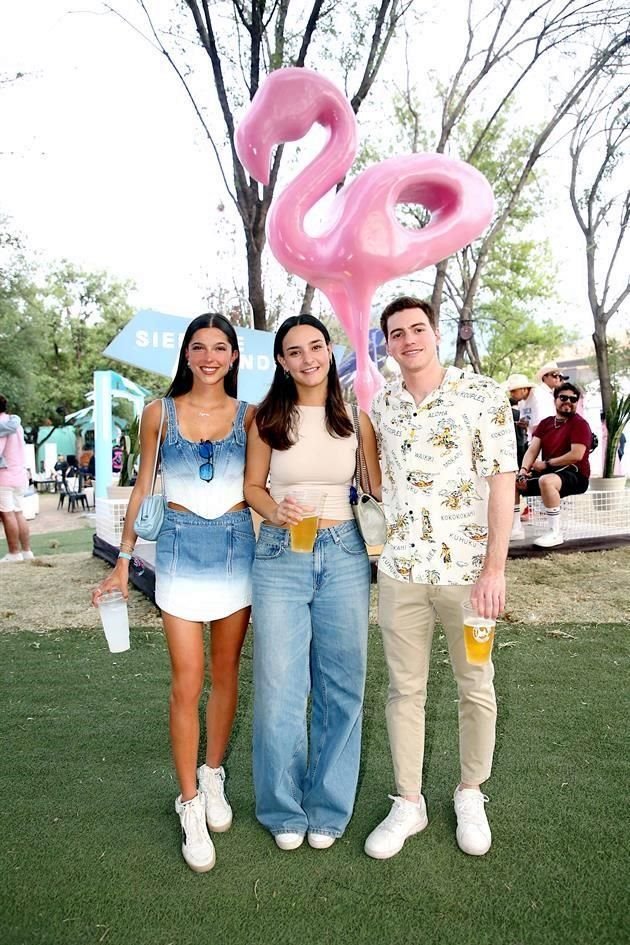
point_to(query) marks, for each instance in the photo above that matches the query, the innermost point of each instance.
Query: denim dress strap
(240, 434)
(173, 429)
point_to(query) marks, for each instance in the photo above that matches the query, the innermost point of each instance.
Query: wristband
(124, 554)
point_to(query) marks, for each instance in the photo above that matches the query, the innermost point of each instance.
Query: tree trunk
(438, 288)
(307, 301)
(603, 369)
(255, 283)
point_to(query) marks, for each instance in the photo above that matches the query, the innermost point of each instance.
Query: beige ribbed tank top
(317, 461)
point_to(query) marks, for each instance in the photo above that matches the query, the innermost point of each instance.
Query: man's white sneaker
(473, 830)
(289, 841)
(320, 841)
(218, 811)
(197, 847)
(27, 555)
(404, 819)
(11, 558)
(517, 534)
(549, 540)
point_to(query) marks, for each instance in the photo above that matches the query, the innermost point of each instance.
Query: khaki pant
(407, 616)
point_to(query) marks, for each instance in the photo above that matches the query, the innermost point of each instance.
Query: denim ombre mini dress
(204, 556)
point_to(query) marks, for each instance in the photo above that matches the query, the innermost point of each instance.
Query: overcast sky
(102, 160)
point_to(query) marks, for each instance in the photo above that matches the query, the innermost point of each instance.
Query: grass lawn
(90, 848)
(57, 543)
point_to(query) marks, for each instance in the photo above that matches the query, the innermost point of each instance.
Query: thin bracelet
(124, 554)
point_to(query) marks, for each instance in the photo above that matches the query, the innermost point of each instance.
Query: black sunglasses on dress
(206, 451)
(567, 398)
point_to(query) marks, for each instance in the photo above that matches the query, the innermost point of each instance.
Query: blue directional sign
(151, 340)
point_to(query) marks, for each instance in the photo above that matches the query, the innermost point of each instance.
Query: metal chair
(76, 495)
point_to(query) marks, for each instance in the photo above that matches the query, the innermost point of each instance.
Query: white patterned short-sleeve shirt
(436, 457)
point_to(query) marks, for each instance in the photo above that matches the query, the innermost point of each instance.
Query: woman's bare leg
(226, 642)
(185, 646)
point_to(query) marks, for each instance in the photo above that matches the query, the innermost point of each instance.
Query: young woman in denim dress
(309, 610)
(203, 563)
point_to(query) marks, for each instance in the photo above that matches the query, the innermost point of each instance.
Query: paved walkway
(52, 519)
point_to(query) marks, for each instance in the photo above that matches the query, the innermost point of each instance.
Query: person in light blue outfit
(309, 608)
(203, 564)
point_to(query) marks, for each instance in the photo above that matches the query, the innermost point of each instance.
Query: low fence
(590, 515)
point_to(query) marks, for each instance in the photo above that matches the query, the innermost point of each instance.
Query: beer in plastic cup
(303, 534)
(478, 634)
(112, 608)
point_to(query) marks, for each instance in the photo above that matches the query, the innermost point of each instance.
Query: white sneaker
(517, 534)
(473, 830)
(197, 847)
(549, 539)
(289, 841)
(404, 819)
(27, 555)
(218, 811)
(10, 558)
(320, 841)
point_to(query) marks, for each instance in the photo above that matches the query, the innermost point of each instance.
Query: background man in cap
(519, 388)
(539, 404)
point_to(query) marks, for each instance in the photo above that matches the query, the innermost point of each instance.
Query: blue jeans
(310, 617)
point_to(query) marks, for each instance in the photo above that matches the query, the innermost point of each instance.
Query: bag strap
(157, 451)
(361, 474)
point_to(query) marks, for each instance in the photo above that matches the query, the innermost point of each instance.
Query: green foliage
(52, 335)
(517, 342)
(618, 359)
(130, 443)
(517, 279)
(617, 416)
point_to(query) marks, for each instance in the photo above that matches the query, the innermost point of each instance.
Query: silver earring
(287, 375)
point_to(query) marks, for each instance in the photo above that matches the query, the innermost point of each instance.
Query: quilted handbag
(148, 523)
(368, 513)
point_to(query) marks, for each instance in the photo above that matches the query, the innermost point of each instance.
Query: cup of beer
(303, 534)
(478, 634)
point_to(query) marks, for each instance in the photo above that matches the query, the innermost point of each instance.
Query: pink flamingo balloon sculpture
(363, 244)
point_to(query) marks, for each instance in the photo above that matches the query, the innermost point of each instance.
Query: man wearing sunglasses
(556, 463)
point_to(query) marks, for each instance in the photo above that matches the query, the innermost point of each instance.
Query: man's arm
(9, 425)
(574, 455)
(488, 594)
(530, 456)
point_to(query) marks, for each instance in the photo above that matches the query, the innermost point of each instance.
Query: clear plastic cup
(112, 608)
(478, 634)
(303, 534)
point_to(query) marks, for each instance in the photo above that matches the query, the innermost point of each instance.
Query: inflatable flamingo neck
(284, 109)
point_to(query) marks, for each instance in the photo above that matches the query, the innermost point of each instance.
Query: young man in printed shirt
(449, 459)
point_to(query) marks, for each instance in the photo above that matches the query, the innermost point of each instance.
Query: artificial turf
(90, 841)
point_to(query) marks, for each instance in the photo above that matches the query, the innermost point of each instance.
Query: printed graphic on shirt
(436, 457)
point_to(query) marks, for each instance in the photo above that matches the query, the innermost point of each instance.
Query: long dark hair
(183, 380)
(277, 415)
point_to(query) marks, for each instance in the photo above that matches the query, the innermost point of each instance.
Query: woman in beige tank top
(309, 609)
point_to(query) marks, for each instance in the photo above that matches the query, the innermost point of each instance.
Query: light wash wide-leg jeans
(310, 617)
